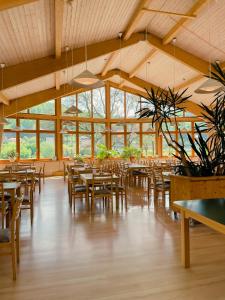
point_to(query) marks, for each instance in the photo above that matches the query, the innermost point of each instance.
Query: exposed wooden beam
(17, 74)
(109, 63)
(4, 99)
(137, 15)
(188, 82)
(189, 105)
(135, 19)
(174, 31)
(179, 54)
(59, 9)
(7, 4)
(28, 101)
(186, 16)
(150, 54)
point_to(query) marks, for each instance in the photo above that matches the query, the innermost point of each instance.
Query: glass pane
(69, 125)
(69, 145)
(116, 103)
(84, 126)
(99, 103)
(148, 144)
(188, 114)
(67, 102)
(184, 126)
(202, 125)
(132, 105)
(99, 127)
(166, 150)
(117, 142)
(47, 125)
(11, 125)
(133, 139)
(147, 127)
(85, 144)
(84, 104)
(27, 124)
(117, 127)
(8, 144)
(99, 139)
(47, 108)
(47, 145)
(133, 127)
(187, 145)
(170, 126)
(28, 145)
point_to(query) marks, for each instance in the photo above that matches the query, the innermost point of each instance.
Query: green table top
(213, 209)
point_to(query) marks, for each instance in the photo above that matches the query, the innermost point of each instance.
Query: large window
(53, 132)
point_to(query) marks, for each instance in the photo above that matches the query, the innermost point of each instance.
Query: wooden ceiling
(34, 34)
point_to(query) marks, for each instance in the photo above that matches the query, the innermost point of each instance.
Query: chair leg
(14, 262)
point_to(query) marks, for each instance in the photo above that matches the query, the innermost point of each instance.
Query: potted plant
(12, 156)
(163, 106)
(78, 158)
(131, 153)
(105, 153)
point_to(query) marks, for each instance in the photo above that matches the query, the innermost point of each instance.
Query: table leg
(185, 241)
(87, 195)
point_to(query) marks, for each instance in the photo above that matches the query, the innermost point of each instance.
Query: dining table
(87, 180)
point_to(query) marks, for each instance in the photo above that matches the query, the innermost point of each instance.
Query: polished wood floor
(133, 254)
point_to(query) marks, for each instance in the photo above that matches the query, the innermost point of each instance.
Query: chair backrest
(101, 180)
(15, 217)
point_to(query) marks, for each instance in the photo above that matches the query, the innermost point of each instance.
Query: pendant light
(86, 79)
(3, 120)
(16, 128)
(210, 86)
(72, 110)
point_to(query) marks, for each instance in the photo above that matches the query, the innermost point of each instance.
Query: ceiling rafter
(179, 54)
(171, 34)
(135, 19)
(25, 102)
(58, 22)
(163, 12)
(174, 30)
(23, 72)
(189, 105)
(4, 99)
(7, 4)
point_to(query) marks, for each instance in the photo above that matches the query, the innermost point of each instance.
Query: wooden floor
(128, 255)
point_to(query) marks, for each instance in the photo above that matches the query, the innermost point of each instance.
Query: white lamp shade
(210, 86)
(86, 79)
(72, 110)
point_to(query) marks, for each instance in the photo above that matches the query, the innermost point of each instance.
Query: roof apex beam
(18, 74)
(7, 4)
(175, 29)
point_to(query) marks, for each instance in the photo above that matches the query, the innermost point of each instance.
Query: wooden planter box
(190, 188)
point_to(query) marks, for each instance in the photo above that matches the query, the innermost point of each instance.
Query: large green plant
(129, 152)
(163, 106)
(103, 152)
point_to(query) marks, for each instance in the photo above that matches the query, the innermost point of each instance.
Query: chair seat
(4, 235)
(138, 173)
(104, 192)
(80, 188)
(114, 188)
(165, 186)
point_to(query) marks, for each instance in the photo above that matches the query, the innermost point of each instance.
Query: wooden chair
(76, 191)
(9, 237)
(101, 188)
(28, 197)
(160, 184)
